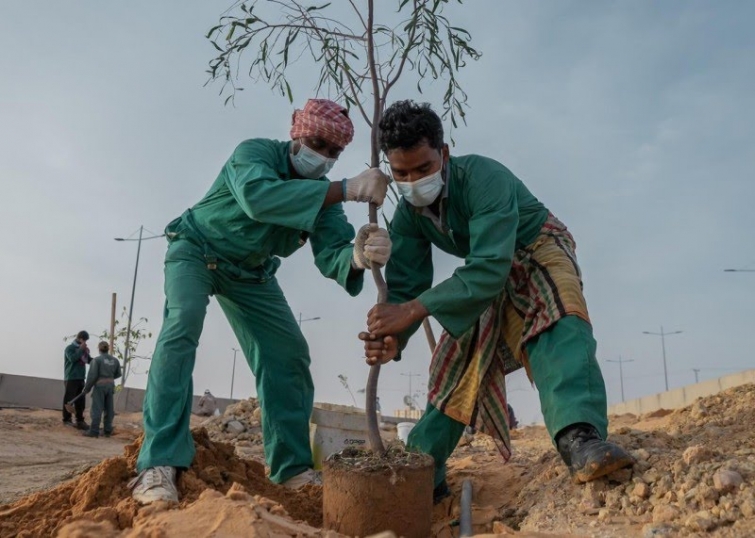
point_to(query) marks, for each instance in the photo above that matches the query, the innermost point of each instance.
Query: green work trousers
(102, 401)
(272, 344)
(568, 379)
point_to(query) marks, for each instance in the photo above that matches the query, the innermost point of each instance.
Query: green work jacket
(74, 367)
(104, 366)
(485, 214)
(255, 213)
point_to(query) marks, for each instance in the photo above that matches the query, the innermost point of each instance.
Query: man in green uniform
(103, 371)
(270, 199)
(517, 296)
(76, 357)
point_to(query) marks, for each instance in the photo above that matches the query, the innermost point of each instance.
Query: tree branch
(407, 49)
(377, 102)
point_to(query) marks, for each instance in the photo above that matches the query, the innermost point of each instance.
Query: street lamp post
(126, 365)
(621, 372)
(663, 336)
(233, 372)
(410, 375)
(308, 319)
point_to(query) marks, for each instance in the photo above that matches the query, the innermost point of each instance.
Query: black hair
(406, 124)
(83, 335)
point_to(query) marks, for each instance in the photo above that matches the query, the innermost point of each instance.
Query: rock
(235, 427)
(641, 454)
(663, 485)
(700, 522)
(650, 530)
(747, 506)
(501, 528)
(665, 513)
(621, 476)
(257, 414)
(613, 499)
(590, 500)
(706, 496)
(641, 490)
(698, 410)
(726, 481)
(696, 454)
(604, 515)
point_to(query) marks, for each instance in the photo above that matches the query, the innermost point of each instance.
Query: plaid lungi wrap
(467, 374)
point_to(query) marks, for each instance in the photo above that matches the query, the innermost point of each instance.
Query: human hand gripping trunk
(384, 322)
(368, 186)
(372, 245)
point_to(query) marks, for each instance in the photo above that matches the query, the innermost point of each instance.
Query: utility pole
(697, 371)
(233, 372)
(126, 364)
(112, 325)
(621, 372)
(663, 336)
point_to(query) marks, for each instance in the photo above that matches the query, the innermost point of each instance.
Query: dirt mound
(101, 495)
(213, 514)
(695, 474)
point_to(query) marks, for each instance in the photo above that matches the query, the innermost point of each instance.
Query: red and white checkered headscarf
(323, 118)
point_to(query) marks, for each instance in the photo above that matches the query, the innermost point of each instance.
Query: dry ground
(695, 476)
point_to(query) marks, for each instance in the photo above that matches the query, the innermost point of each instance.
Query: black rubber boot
(90, 433)
(587, 455)
(81, 425)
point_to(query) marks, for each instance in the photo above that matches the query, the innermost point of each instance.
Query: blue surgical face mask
(422, 192)
(310, 164)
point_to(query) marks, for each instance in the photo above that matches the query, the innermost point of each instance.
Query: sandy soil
(695, 476)
(37, 451)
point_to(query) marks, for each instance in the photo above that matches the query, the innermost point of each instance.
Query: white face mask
(310, 164)
(422, 192)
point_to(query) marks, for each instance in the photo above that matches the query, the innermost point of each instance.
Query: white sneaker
(310, 476)
(155, 484)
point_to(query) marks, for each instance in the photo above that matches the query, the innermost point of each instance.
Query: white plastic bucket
(403, 430)
(335, 427)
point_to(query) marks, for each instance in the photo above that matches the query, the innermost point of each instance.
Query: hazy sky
(634, 122)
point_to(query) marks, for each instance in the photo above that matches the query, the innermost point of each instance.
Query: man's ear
(446, 153)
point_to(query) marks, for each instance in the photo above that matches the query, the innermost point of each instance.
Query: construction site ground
(694, 476)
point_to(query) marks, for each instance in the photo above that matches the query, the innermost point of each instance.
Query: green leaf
(316, 8)
(212, 30)
(289, 92)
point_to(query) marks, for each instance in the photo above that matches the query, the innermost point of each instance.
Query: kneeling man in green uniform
(516, 301)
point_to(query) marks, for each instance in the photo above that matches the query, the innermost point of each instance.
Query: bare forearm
(334, 194)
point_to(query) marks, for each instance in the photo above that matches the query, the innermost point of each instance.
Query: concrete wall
(27, 391)
(683, 396)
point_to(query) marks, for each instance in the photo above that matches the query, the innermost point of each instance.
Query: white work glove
(372, 245)
(369, 186)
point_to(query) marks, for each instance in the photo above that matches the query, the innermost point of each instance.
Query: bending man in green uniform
(270, 199)
(103, 371)
(517, 300)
